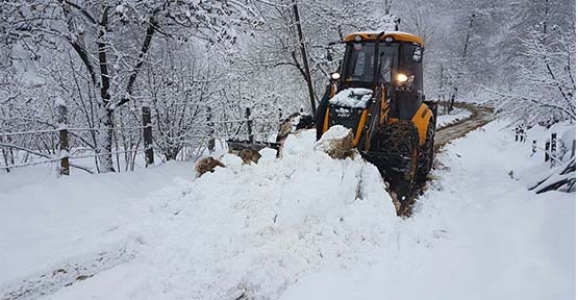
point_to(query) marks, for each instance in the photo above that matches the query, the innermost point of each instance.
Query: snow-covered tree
(544, 71)
(112, 40)
(546, 87)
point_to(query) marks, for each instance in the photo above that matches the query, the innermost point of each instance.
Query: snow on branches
(107, 43)
(546, 86)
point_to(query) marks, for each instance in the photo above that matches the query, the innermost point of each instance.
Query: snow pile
(336, 132)
(337, 142)
(352, 97)
(254, 229)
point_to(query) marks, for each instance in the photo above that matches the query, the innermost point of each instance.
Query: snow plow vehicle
(378, 94)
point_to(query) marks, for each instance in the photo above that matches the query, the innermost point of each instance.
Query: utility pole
(304, 56)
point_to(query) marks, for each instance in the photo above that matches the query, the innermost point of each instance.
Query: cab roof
(399, 36)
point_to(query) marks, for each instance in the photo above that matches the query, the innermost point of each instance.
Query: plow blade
(396, 170)
(387, 162)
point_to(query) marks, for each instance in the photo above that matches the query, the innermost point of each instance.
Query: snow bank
(336, 132)
(337, 142)
(250, 229)
(47, 223)
(352, 97)
(254, 230)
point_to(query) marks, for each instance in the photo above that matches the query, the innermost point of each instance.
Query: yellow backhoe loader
(378, 94)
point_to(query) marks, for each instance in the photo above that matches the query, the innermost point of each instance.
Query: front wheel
(400, 140)
(426, 154)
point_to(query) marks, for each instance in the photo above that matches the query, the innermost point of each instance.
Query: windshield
(360, 67)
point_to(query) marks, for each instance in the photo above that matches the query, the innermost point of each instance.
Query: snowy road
(480, 117)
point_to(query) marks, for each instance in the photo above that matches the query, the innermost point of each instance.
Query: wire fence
(70, 147)
(551, 150)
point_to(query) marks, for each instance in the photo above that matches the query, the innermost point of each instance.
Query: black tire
(426, 154)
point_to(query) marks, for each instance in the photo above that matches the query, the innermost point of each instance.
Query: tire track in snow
(481, 115)
(67, 274)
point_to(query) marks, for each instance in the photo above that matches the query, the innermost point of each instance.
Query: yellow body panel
(326, 121)
(357, 135)
(421, 120)
(384, 109)
(396, 35)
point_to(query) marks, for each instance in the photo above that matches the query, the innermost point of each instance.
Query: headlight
(401, 78)
(335, 76)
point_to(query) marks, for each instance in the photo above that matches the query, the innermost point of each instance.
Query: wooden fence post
(62, 115)
(148, 136)
(547, 152)
(553, 150)
(249, 124)
(211, 126)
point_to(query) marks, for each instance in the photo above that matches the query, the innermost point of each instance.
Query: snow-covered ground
(49, 224)
(477, 233)
(301, 227)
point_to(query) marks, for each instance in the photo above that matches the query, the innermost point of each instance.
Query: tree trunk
(148, 136)
(106, 121)
(469, 34)
(387, 6)
(304, 57)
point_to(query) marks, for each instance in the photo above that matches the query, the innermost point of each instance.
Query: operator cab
(398, 67)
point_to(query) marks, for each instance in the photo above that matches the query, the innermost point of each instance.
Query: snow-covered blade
(352, 97)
